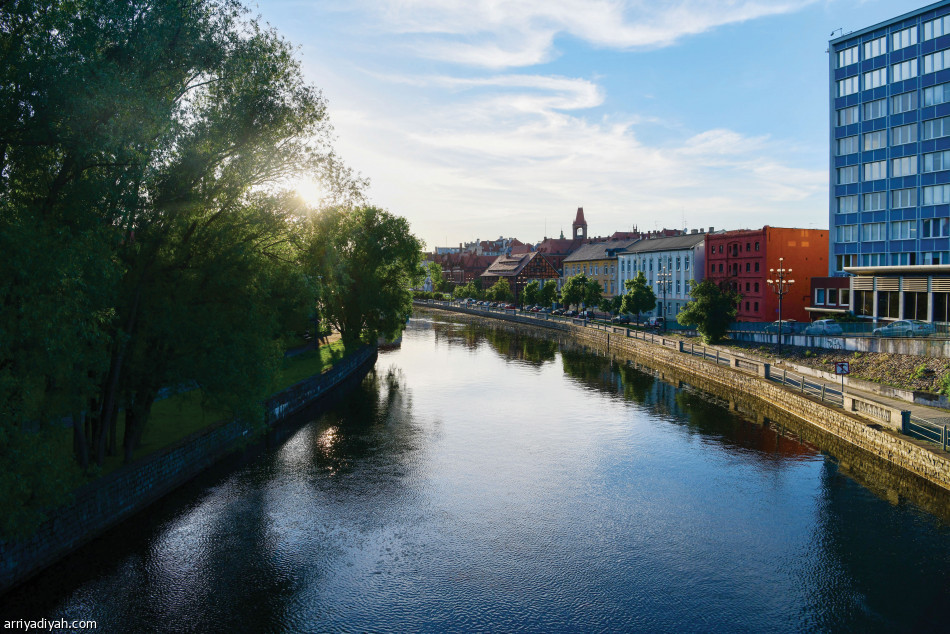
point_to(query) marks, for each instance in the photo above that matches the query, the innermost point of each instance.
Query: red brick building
(519, 270)
(743, 258)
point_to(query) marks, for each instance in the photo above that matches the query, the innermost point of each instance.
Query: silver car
(905, 328)
(825, 327)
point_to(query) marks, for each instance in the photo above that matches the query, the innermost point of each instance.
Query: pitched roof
(599, 251)
(687, 241)
(579, 220)
(510, 265)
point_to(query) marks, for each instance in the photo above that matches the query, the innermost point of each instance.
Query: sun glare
(309, 191)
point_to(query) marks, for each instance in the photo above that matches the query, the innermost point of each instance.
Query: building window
(903, 198)
(932, 29)
(906, 166)
(848, 175)
(874, 140)
(872, 79)
(904, 230)
(937, 195)
(847, 57)
(904, 134)
(748, 247)
(875, 47)
(846, 205)
(846, 233)
(677, 263)
(820, 296)
(756, 287)
(888, 304)
(936, 128)
(756, 267)
(756, 306)
(720, 248)
(848, 86)
(864, 303)
(936, 95)
(903, 259)
(937, 61)
(847, 116)
(904, 103)
(720, 267)
(904, 38)
(846, 260)
(875, 201)
(936, 257)
(936, 161)
(875, 109)
(748, 267)
(747, 307)
(757, 244)
(873, 232)
(872, 259)
(915, 305)
(935, 228)
(686, 263)
(875, 171)
(905, 70)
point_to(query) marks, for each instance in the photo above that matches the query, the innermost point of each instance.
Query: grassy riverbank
(178, 416)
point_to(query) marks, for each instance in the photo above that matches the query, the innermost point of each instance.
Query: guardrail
(926, 430)
(933, 330)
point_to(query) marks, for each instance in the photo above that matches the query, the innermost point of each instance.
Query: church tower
(580, 225)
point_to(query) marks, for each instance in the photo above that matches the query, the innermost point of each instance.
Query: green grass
(183, 414)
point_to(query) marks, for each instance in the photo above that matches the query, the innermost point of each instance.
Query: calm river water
(483, 480)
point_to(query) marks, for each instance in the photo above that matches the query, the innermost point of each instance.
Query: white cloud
(512, 33)
(514, 150)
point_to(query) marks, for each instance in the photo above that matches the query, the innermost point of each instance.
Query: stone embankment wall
(107, 501)
(744, 377)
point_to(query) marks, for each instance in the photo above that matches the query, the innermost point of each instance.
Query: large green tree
(146, 240)
(574, 291)
(639, 296)
(366, 260)
(500, 291)
(548, 293)
(712, 309)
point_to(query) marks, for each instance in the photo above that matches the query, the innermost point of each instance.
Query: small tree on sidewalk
(711, 310)
(639, 296)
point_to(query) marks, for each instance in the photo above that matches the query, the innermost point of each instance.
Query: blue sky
(480, 118)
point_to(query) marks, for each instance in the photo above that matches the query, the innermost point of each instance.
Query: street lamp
(780, 283)
(664, 277)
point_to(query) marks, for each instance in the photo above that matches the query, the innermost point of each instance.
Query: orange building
(743, 259)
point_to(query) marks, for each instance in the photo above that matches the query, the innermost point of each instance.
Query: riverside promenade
(912, 436)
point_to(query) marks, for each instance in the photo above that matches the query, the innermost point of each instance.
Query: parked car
(557, 311)
(621, 319)
(570, 313)
(655, 322)
(905, 328)
(785, 326)
(825, 327)
(586, 314)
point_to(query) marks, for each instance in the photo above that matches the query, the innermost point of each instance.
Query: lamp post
(780, 283)
(664, 277)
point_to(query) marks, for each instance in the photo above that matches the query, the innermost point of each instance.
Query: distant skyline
(480, 118)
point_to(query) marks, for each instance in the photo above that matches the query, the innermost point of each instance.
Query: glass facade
(890, 146)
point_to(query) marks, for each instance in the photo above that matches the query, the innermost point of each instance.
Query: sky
(487, 118)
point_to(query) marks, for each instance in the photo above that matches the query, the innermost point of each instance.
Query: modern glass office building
(890, 163)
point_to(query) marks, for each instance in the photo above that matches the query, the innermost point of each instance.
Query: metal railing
(933, 330)
(927, 430)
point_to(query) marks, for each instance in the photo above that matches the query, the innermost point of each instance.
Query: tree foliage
(500, 291)
(147, 233)
(531, 293)
(366, 260)
(548, 293)
(639, 296)
(713, 308)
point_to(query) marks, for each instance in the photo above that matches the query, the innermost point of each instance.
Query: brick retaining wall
(101, 504)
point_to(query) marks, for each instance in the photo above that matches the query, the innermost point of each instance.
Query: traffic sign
(842, 367)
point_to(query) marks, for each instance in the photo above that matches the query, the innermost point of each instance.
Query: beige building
(598, 262)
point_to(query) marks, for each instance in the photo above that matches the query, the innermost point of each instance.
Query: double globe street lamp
(664, 279)
(780, 283)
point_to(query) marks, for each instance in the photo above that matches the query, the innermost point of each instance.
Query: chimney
(712, 229)
(694, 231)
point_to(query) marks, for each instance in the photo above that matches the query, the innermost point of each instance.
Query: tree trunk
(137, 413)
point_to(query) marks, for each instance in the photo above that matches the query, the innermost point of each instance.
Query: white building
(682, 257)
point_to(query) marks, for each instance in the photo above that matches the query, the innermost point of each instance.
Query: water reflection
(477, 482)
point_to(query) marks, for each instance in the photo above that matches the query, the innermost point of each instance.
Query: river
(487, 480)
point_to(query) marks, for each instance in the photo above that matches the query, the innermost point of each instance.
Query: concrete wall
(107, 501)
(884, 345)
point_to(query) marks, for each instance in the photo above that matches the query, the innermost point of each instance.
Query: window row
(899, 230)
(904, 102)
(901, 39)
(907, 69)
